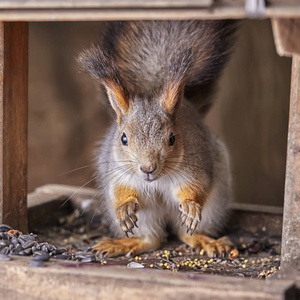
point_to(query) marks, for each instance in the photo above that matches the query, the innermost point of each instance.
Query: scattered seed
(36, 263)
(234, 253)
(40, 255)
(4, 257)
(135, 265)
(4, 228)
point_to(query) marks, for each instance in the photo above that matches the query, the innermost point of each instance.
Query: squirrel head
(148, 137)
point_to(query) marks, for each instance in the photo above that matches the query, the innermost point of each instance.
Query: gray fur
(145, 60)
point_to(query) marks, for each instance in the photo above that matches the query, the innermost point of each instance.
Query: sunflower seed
(40, 255)
(5, 243)
(4, 257)
(5, 251)
(36, 263)
(28, 244)
(4, 228)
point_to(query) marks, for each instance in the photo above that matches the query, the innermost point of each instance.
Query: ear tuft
(101, 65)
(173, 96)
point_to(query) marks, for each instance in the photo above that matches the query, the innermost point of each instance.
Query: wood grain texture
(25, 4)
(286, 36)
(13, 121)
(71, 280)
(290, 255)
(77, 10)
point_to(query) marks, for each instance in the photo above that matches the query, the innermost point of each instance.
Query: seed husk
(36, 263)
(41, 255)
(4, 257)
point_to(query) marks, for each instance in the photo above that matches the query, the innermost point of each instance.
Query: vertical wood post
(290, 251)
(287, 41)
(13, 123)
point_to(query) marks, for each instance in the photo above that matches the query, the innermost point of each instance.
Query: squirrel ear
(118, 98)
(102, 66)
(172, 97)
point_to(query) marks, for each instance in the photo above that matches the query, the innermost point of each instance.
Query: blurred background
(68, 111)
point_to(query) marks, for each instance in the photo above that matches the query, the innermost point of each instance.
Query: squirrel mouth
(149, 178)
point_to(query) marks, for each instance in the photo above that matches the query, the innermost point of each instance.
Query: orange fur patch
(134, 245)
(173, 97)
(211, 246)
(124, 194)
(193, 194)
(121, 99)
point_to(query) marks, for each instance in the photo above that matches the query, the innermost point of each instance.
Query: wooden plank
(13, 121)
(94, 10)
(286, 35)
(71, 280)
(25, 4)
(122, 14)
(290, 256)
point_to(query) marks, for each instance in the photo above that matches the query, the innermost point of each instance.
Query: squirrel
(159, 164)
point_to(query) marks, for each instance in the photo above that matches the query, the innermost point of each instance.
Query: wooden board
(71, 280)
(25, 4)
(291, 221)
(286, 36)
(92, 10)
(13, 124)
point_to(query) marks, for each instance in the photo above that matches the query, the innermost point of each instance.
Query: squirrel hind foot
(127, 246)
(212, 247)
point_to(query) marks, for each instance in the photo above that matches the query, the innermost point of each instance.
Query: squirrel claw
(126, 216)
(134, 222)
(190, 215)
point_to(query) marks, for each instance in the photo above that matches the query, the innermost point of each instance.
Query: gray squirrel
(159, 164)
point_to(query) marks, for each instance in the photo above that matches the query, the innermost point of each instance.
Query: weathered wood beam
(290, 253)
(73, 280)
(286, 36)
(287, 41)
(13, 124)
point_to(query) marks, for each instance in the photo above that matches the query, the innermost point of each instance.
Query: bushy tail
(145, 56)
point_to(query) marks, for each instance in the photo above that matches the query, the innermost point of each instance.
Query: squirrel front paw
(126, 216)
(190, 214)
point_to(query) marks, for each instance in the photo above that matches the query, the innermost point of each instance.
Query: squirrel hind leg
(212, 247)
(126, 246)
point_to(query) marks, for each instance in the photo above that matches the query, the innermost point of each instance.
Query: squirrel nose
(148, 169)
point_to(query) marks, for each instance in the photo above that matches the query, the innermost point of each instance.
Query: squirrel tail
(201, 88)
(146, 56)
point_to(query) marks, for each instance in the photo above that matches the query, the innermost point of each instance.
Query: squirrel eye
(171, 139)
(124, 139)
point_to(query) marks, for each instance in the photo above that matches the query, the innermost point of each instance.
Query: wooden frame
(13, 88)
(13, 120)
